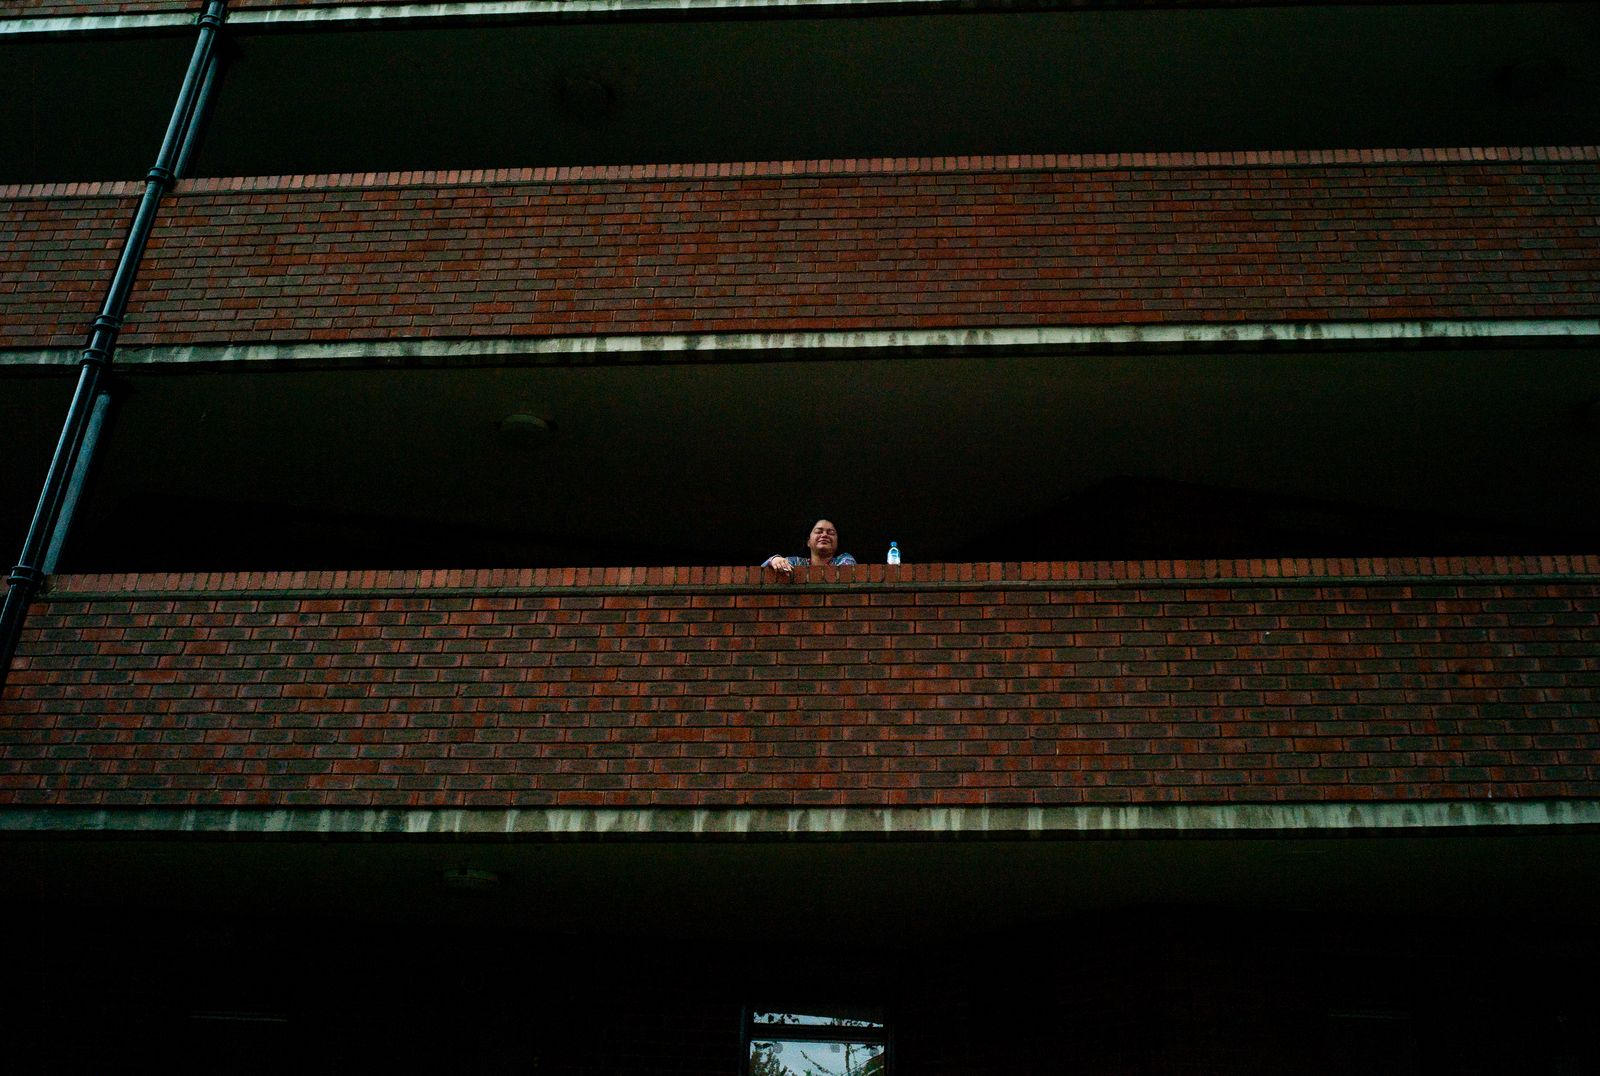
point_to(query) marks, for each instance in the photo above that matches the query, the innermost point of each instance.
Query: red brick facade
(56, 255)
(940, 684)
(848, 245)
(47, 9)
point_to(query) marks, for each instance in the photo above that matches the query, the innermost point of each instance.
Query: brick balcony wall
(850, 245)
(57, 254)
(64, 9)
(1158, 682)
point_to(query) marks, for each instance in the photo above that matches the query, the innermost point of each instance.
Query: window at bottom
(818, 1043)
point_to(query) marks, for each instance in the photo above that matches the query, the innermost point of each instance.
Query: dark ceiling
(764, 87)
(186, 955)
(1062, 457)
(805, 894)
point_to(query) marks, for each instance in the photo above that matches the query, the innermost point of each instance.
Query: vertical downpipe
(73, 456)
(75, 484)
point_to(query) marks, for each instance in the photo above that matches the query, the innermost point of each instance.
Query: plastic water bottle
(894, 553)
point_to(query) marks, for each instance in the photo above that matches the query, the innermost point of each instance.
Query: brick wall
(58, 247)
(46, 9)
(856, 245)
(958, 684)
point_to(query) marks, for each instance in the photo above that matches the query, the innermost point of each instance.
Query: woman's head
(824, 540)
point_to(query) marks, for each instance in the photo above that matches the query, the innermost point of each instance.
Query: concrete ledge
(746, 579)
(290, 14)
(293, 13)
(95, 24)
(884, 343)
(818, 824)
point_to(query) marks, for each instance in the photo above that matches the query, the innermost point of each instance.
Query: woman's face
(824, 539)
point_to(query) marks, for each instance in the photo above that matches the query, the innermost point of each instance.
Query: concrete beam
(1164, 821)
(884, 343)
(458, 10)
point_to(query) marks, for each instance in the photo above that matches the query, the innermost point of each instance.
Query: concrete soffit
(626, 824)
(467, 11)
(882, 344)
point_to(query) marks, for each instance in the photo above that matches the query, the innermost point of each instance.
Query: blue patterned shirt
(839, 560)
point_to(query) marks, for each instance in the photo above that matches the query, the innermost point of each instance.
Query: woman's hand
(781, 563)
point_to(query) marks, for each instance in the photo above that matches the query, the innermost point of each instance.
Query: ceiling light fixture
(471, 880)
(524, 430)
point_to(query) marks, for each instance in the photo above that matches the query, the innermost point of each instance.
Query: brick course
(51, 9)
(56, 259)
(859, 245)
(1157, 682)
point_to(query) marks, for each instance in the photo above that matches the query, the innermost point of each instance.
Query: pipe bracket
(25, 575)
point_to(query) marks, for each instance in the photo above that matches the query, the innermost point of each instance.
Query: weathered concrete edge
(815, 823)
(95, 24)
(888, 342)
(453, 10)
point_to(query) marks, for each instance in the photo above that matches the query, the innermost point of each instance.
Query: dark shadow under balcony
(773, 86)
(1229, 453)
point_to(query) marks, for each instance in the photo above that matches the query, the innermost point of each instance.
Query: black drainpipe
(75, 449)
